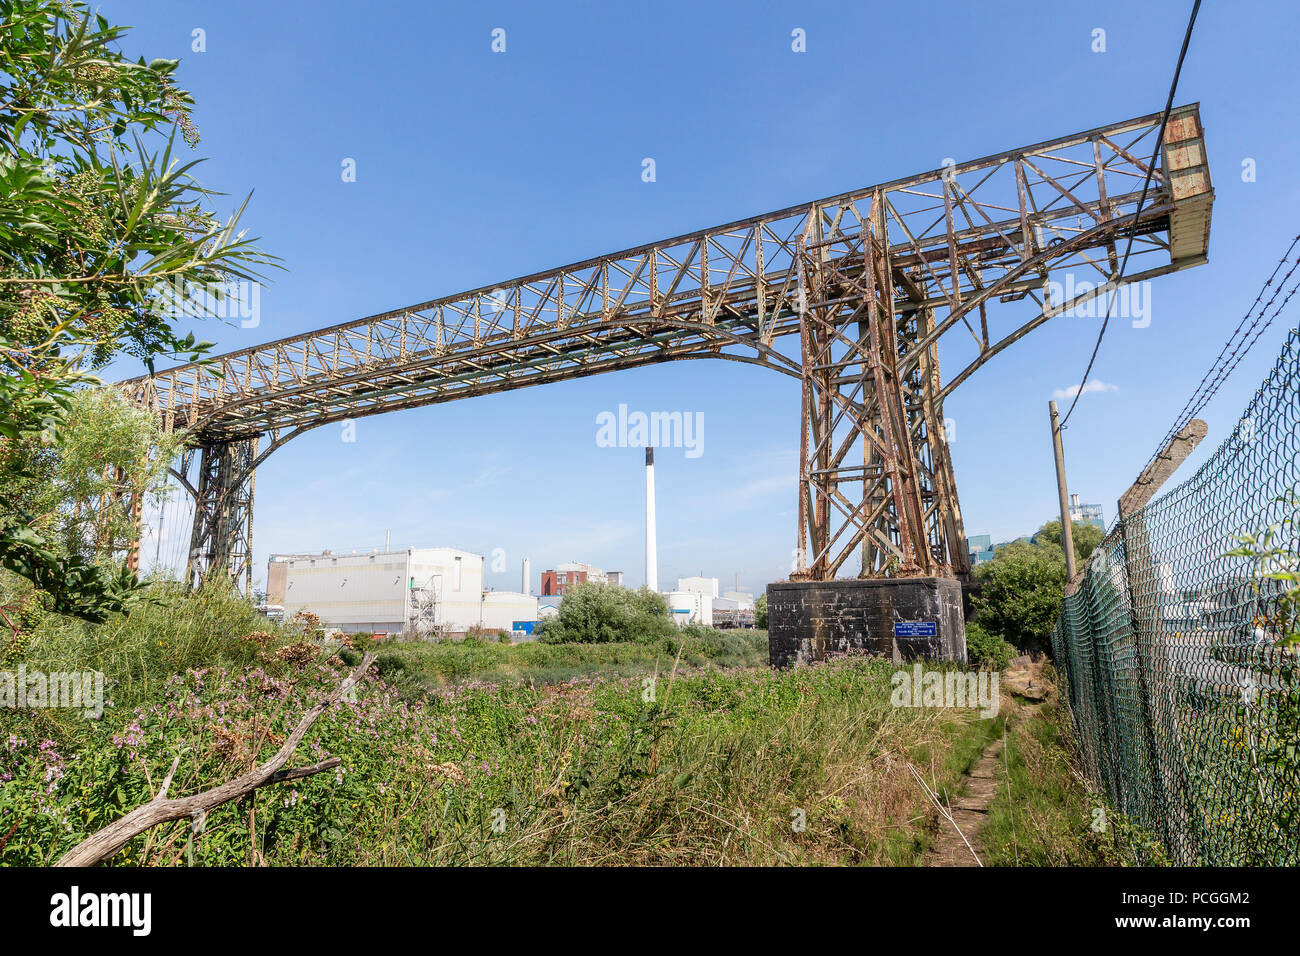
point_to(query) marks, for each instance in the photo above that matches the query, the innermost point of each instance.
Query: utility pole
(1067, 528)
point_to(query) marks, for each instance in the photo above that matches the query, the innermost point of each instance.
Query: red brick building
(565, 576)
(557, 582)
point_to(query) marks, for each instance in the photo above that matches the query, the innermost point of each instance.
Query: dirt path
(970, 810)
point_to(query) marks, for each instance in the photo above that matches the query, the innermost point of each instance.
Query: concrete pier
(899, 618)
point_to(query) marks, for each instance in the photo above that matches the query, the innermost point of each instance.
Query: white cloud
(1093, 386)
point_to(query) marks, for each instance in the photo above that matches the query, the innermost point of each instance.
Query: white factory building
(429, 590)
(696, 600)
(692, 601)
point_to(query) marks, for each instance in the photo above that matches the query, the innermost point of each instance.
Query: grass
(421, 666)
(723, 767)
(1049, 816)
(699, 766)
(171, 632)
(686, 750)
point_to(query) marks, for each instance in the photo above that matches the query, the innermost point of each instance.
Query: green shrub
(985, 650)
(597, 613)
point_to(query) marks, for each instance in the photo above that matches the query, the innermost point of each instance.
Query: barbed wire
(1230, 356)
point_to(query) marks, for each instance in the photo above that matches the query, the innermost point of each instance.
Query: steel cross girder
(870, 280)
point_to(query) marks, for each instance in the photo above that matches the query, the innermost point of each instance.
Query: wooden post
(1067, 527)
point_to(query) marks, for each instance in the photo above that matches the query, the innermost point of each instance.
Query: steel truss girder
(870, 281)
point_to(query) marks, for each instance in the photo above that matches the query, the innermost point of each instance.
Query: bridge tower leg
(222, 535)
(877, 501)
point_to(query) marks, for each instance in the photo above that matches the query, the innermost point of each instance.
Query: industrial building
(692, 601)
(700, 585)
(430, 591)
(690, 607)
(564, 576)
(1087, 514)
(980, 548)
(743, 600)
(734, 609)
(696, 600)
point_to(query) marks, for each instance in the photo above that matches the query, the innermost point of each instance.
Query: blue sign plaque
(916, 629)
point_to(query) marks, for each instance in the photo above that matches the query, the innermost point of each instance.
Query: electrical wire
(1146, 185)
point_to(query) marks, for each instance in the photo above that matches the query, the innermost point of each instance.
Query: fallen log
(104, 843)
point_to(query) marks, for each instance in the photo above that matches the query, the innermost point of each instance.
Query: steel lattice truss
(877, 494)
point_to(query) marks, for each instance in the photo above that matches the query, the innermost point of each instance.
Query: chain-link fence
(1173, 650)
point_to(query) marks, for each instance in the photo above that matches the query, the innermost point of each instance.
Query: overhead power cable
(1146, 185)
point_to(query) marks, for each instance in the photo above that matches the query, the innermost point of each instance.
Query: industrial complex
(439, 592)
(427, 591)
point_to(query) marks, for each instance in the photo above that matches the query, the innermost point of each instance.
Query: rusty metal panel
(1187, 170)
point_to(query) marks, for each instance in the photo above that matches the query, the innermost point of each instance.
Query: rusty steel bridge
(869, 281)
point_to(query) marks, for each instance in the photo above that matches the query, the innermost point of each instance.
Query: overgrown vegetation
(1245, 764)
(99, 226)
(1022, 587)
(420, 666)
(985, 650)
(169, 632)
(675, 763)
(1048, 815)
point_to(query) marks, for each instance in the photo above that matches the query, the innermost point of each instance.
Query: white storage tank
(690, 607)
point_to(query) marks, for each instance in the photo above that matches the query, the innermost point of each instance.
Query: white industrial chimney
(527, 575)
(651, 552)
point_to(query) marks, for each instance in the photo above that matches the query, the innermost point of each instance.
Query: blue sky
(475, 167)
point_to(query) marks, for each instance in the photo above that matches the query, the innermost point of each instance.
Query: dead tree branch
(103, 844)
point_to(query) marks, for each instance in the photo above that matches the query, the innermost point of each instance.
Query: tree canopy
(1022, 587)
(100, 223)
(1086, 538)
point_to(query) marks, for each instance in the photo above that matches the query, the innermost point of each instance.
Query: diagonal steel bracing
(870, 281)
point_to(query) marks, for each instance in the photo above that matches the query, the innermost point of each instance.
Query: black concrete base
(898, 618)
